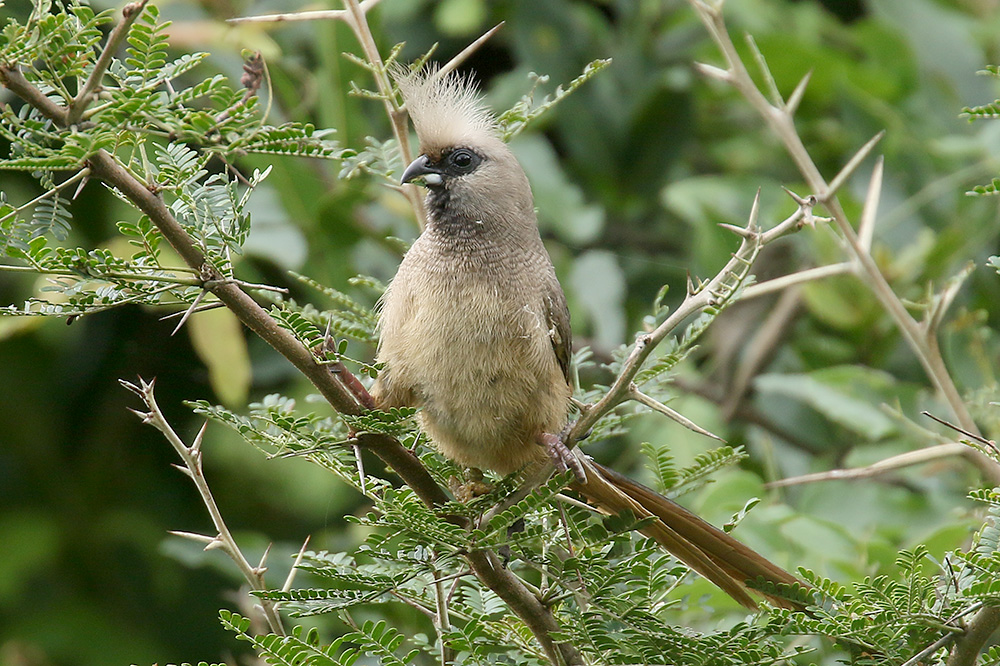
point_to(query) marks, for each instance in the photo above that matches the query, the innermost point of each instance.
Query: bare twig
(976, 437)
(908, 459)
(799, 277)
(192, 467)
(317, 15)
(657, 406)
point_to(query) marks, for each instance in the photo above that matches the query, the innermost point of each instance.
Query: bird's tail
(705, 548)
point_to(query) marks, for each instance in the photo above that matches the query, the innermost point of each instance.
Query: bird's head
(469, 171)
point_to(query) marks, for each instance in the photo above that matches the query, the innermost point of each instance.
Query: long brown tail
(708, 550)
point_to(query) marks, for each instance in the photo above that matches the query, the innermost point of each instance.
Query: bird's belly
(486, 377)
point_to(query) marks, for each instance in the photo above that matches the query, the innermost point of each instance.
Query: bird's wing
(557, 318)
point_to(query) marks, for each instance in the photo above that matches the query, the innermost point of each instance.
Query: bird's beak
(422, 168)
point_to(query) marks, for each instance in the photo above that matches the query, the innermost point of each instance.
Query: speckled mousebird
(475, 331)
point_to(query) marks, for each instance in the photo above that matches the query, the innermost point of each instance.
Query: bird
(474, 329)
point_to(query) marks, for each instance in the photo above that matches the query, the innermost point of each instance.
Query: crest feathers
(446, 109)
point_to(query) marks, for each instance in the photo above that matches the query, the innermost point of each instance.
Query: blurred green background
(631, 175)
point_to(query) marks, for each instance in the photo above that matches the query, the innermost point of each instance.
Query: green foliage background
(631, 174)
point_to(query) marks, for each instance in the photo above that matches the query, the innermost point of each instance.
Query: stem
(357, 20)
(79, 175)
(968, 646)
(192, 457)
(79, 104)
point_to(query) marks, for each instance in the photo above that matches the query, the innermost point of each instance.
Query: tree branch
(979, 629)
(779, 118)
(86, 94)
(192, 467)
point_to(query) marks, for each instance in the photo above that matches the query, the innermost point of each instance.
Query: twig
(317, 15)
(657, 406)
(80, 175)
(86, 94)
(908, 459)
(971, 435)
(799, 277)
(192, 467)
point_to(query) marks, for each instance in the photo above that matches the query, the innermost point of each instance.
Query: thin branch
(893, 463)
(397, 116)
(799, 277)
(316, 15)
(192, 467)
(657, 406)
(976, 437)
(80, 175)
(86, 94)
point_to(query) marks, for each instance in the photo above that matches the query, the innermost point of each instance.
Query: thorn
(130, 386)
(145, 417)
(713, 72)
(215, 543)
(469, 50)
(189, 311)
(807, 202)
(183, 468)
(754, 213)
(852, 164)
(195, 448)
(866, 227)
(295, 566)
(261, 568)
(361, 468)
(658, 406)
(193, 536)
(79, 188)
(792, 105)
(739, 231)
(690, 284)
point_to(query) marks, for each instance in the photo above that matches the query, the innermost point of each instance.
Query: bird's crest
(446, 109)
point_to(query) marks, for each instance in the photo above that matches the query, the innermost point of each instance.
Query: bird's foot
(472, 486)
(561, 455)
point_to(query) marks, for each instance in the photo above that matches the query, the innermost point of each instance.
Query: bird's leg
(470, 487)
(354, 385)
(562, 456)
(328, 348)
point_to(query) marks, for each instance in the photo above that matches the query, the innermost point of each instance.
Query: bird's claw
(562, 456)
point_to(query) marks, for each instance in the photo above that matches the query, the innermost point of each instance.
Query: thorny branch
(192, 467)
(780, 118)
(920, 336)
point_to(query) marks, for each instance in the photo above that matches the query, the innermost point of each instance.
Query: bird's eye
(463, 160)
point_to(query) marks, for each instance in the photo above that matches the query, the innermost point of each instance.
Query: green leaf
(847, 395)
